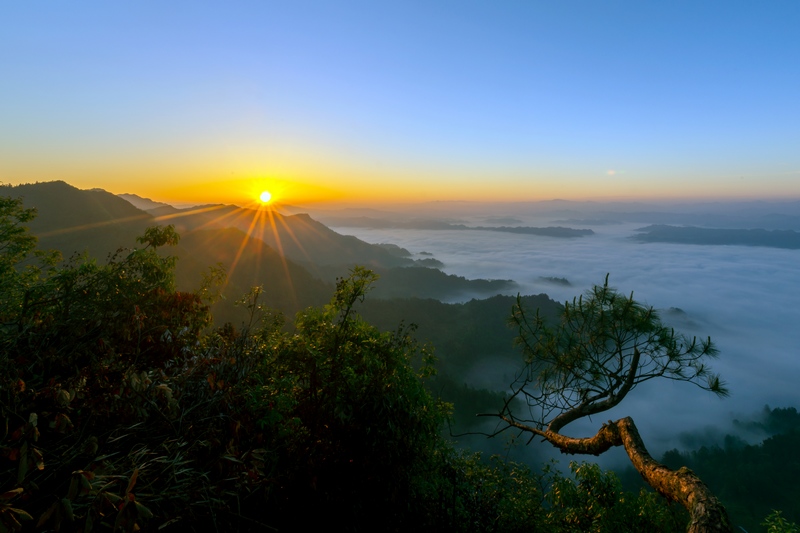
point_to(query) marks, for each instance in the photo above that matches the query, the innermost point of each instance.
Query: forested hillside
(126, 408)
(294, 258)
(124, 412)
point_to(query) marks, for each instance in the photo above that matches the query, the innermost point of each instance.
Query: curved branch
(592, 406)
(706, 512)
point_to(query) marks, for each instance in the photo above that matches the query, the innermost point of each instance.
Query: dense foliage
(119, 410)
(123, 410)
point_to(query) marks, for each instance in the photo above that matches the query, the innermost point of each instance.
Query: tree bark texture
(707, 514)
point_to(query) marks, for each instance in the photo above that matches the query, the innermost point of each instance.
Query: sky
(403, 101)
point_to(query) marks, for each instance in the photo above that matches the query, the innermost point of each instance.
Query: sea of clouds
(746, 298)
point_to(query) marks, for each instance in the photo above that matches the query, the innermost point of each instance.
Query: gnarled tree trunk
(707, 513)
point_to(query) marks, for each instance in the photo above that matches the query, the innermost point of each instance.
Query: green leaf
(12, 494)
(23, 515)
(144, 512)
(67, 506)
(132, 481)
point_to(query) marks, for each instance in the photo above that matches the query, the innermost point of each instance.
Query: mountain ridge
(255, 247)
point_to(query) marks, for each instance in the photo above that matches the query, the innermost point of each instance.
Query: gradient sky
(403, 100)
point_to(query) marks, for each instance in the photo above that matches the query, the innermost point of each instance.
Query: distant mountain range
(718, 236)
(744, 220)
(744, 214)
(425, 224)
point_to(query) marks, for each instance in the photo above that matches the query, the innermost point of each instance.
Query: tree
(606, 345)
(353, 430)
(775, 523)
(593, 500)
(20, 262)
(89, 355)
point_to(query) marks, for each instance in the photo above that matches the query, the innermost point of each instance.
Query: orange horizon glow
(386, 190)
(247, 193)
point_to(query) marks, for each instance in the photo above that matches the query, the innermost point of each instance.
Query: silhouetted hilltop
(57, 200)
(145, 204)
(564, 282)
(73, 220)
(295, 258)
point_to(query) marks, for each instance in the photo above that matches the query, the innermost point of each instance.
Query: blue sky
(404, 100)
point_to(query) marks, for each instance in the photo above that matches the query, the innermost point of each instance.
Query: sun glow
(265, 197)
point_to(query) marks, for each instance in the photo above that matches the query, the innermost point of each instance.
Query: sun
(265, 197)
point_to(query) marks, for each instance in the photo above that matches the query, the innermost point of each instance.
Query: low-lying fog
(746, 298)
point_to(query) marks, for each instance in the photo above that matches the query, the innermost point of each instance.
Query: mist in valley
(743, 297)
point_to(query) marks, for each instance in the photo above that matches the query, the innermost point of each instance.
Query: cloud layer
(745, 298)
